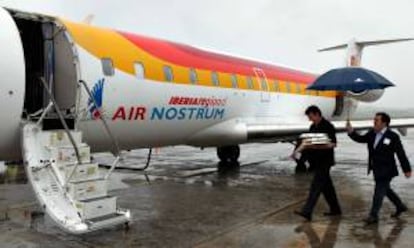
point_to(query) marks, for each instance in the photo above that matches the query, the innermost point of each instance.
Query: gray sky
(282, 32)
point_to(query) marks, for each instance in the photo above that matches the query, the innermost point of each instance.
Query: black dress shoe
(399, 212)
(371, 220)
(339, 213)
(302, 214)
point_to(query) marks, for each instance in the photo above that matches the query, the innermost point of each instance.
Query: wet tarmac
(191, 201)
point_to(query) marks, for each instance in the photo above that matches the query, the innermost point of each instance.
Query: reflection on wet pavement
(191, 201)
(12, 174)
(377, 236)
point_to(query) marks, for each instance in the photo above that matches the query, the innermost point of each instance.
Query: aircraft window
(249, 82)
(107, 67)
(288, 88)
(139, 70)
(234, 83)
(168, 73)
(215, 79)
(193, 76)
(264, 84)
(276, 85)
(298, 88)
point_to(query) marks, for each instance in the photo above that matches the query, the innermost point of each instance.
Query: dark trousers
(321, 183)
(382, 189)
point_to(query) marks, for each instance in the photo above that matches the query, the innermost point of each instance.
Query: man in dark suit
(383, 144)
(321, 158)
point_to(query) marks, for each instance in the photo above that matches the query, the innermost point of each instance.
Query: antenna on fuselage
(88, 19)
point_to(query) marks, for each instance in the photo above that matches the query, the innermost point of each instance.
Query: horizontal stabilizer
(365, 44)
(382, 42)
(333, 48)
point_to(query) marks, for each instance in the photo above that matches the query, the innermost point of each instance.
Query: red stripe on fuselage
(191, 57)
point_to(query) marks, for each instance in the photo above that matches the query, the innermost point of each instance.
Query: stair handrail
(101, 117)
(65, 125)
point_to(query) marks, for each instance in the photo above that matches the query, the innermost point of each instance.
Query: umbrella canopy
(356, 79)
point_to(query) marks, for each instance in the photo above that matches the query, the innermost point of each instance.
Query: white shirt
(379, 136)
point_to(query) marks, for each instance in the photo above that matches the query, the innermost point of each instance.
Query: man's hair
(384, 117)
(314, 110)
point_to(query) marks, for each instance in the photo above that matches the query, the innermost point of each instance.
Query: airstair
(70, 188)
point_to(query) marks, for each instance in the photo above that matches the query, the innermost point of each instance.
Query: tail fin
(355, 48)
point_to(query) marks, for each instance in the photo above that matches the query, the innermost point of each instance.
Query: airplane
(69, 89)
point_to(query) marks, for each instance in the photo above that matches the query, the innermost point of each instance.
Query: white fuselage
(141, 112)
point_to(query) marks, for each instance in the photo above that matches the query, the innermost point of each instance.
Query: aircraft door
(264, 85)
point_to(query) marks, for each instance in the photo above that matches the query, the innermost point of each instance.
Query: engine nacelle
(366, 95)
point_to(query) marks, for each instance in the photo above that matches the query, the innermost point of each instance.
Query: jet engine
(366, 95)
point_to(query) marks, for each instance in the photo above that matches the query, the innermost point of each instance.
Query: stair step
(108, 220)
(59, 138)
(66, 154)
(83, 172)
(83, 205)
(97, 207)
(103, 218)
(87, 189)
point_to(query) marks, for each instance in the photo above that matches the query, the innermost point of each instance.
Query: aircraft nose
(12, 86)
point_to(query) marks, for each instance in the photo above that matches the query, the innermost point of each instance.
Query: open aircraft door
(39, 80)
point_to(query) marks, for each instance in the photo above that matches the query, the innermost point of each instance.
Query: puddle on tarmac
(12, 174)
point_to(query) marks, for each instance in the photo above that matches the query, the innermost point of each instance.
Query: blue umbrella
(356, 79)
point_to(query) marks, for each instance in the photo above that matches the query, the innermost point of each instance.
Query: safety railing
(53, 103)
(62, 120)
(101, 116)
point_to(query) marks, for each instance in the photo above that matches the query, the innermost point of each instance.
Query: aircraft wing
(289, 132)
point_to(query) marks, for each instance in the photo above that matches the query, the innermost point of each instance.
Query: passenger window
(249, 82)
(168, 73)
(298, 88)
(276, 85)
(234, 83)
(193, 76)
(288, 88)
(107, 67)
(264, 84)
(215, 79)
(139, 70)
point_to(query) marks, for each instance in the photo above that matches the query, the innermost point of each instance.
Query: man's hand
(407, 174)
(295, 155)
(349, 127)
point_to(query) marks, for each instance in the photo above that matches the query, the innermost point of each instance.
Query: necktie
(377, 139)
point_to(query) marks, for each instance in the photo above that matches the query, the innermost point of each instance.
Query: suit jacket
(381, 159)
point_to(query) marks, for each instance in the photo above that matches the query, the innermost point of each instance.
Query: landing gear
(228, 154)
(126, 226)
